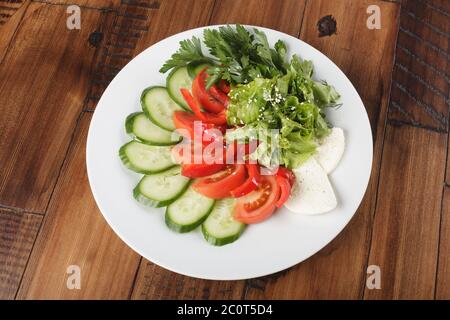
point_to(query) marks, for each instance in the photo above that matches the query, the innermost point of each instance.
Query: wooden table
(51, 79)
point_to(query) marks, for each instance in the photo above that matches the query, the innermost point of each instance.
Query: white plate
(276, 244)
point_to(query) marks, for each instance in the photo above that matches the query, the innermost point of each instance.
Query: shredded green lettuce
(284, 113)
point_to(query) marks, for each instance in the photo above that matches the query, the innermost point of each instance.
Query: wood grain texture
(107, 286)
(9, 24)
(75, 233)
(285, 16)
(406, 226)
(174, 16)
(134, 28)
(8, 9)
(405, 237)
(93, 4)
(443, 271)
(39, 111)
(18, 232)
(366, 57)
(152, 281)
(421, 86)
(68, 70)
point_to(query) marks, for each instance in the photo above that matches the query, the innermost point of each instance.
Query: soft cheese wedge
(330, 150)
(312, 192)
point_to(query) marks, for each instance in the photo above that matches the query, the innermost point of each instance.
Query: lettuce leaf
(284, 113)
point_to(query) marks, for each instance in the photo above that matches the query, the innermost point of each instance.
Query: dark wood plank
(405, 238)
(420, 91)
(285, 16)
(366, 57)
(75, 233)
(9, 24)
(406, 226)
(442, 278)
(172, 18)
(152, 281)
(18, 231)
(39, 111)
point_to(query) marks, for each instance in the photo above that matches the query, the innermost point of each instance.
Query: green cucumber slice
(161, 189)
(188, 211)
(177, 79)
(138, 126)
(159, 107)
(220, 228)
(145, 159)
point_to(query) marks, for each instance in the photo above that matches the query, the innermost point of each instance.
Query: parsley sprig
(236, 55)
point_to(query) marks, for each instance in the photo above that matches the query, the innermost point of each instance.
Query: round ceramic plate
(276, 244)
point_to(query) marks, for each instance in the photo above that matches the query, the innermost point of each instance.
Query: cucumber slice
(194, 68)
(188, 211)
(161, 189)
(138, 126)
(177, 79)
(145, 159)
(159, 107)
(220, 227)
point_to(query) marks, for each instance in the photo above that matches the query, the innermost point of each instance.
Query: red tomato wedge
(224, 86)
(199, 160)
(250, 184)
(237, 151)
(187, 153)
(219, 185)
(286, 173)
(207, 99)
(219, 95)
(285, 190)
(194, 170)
(200, 168)
(206, 131)
(218, 119)
(259, 204)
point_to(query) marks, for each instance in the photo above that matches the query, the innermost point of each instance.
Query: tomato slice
(206, 131)
(219, 185)
(237, 151)
(286, 173)
(250, 184)
(194, 170)
(218, 119)
(193, 104)
(207, 99)
(259, 204)
(224, 86)
(285, 190)
(219, 95)
(198, 160)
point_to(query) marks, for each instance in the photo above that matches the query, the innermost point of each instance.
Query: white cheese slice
(330, 150)
(312, 192)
